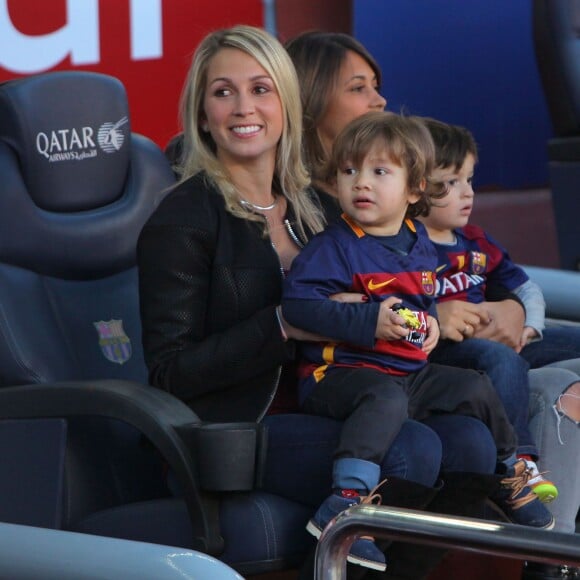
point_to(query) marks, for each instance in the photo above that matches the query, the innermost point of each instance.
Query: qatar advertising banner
(147, 44)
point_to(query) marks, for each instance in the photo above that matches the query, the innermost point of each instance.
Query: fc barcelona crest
(428, 283)
(114, 343)
(478, 262)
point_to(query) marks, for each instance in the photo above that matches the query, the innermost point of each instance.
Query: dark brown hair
(318, 57)
(452, 143)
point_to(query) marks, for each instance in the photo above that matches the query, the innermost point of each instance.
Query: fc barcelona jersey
(345, 259)
(467, 268)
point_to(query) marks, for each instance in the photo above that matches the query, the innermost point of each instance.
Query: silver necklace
(260, 207)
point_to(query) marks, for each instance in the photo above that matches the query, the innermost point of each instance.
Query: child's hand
(528, 335)
(390, 326)
(432, 335)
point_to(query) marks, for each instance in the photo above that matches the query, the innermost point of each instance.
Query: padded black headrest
(71, 133)
(76, 186)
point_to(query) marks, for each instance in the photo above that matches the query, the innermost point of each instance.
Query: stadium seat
(88, 443)
(556, 32)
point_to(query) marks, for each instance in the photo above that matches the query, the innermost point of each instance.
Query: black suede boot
(306, 571)
(403, 493)
(462, 494)
(538, 571)
(465, 494)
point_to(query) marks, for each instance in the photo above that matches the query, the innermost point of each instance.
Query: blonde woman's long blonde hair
(199, 150)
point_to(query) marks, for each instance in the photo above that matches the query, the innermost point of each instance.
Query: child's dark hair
(407, 142)
(452, 143)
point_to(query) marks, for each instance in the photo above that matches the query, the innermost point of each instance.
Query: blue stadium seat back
(556, 32)
(77, 186)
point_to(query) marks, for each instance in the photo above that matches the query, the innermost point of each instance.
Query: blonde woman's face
(242, 108)
(355, 94)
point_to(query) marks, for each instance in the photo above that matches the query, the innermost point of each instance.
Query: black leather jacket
(209, 286)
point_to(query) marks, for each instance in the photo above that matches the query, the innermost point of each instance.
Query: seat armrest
(229, 456)
(158, 415)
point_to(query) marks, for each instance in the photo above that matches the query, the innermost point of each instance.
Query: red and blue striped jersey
(474, 264)
(345, 259)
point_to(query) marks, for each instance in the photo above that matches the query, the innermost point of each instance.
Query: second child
(471, 264)
(374, 374)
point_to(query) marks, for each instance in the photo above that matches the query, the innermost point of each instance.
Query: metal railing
(460, 533)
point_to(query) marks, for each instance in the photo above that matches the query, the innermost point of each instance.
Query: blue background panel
(468, 62)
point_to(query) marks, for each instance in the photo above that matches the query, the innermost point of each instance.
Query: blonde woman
(212, 256)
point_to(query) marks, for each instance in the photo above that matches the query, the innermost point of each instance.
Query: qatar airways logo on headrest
(111, 137)
(77, 144)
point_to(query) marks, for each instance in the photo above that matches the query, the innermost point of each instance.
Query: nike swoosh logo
(373, 286)
(439, 268)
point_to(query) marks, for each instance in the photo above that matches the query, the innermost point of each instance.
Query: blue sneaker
(363, 551)
(517, 503)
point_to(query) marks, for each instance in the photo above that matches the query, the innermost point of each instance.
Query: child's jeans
(374, 405)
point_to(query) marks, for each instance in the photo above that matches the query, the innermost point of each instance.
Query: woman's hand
(432, 335)
(459, 320)
(506, 323)
(349, 297)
